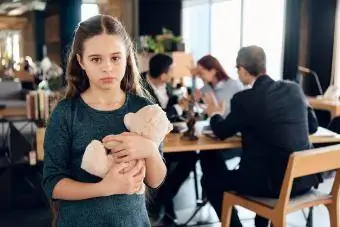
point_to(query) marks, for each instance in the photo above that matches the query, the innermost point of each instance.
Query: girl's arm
(68, 189)
(155, 169)
(113, 183)
(134, 147)
(57, 149)
(57, 181)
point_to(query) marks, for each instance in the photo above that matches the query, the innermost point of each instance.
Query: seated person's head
(160, 68)
(250, 63)
(211, 70)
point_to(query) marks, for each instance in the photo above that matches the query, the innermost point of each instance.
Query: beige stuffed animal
(150, 122)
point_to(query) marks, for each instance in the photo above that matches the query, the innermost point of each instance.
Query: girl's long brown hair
(77, 80)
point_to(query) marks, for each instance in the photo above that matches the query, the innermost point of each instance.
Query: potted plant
(165, 42)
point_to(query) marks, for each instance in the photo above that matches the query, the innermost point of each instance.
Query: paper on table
(208, 131)
(323, 132)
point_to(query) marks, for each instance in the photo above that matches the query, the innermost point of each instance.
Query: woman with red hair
(216, 80)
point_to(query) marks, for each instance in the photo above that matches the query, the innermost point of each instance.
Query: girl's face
(104, 61)
(205, 74)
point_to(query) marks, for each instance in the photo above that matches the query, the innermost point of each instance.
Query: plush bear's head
(150, 121)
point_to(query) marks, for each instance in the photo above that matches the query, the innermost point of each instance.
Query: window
(196, 30)
(233, 24)
(263, 25)
(16, 47)
(196, 27)
(12, 45)
(226, 33)
(9, 46)
(88, 10)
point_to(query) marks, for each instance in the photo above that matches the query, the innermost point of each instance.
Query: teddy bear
(150, 122)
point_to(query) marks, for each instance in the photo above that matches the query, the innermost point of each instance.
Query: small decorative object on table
(190, 134)
(51, 75)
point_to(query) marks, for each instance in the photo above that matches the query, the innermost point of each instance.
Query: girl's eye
(95, 60)
(115, 59)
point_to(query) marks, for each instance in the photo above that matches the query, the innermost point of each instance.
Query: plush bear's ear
(127, 120)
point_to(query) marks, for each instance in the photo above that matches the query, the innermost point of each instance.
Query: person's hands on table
(212, 105)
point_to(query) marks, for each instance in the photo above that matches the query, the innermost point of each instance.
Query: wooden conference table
(333, 106)
(174, 143)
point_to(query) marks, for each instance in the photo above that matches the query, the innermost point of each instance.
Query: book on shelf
(40, 104)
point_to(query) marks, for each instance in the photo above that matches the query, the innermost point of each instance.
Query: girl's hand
(116, 182)
(130, 147)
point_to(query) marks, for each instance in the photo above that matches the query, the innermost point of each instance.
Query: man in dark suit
(273, 119)
(156, 82)
(179, 165)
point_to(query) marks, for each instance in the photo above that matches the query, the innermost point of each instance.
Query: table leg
(200, 201)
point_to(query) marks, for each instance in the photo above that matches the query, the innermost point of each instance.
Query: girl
(103, 85)
(216, 81)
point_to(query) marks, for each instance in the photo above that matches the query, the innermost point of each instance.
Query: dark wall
(39, 32)
(321, 25)
(156, 14)
(70, 15)
(317, 46)
(292, 39)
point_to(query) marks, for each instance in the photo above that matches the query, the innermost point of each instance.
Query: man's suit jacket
(273, 119)
(170, 110)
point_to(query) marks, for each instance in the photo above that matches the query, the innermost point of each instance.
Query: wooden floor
(35, 213)
(38, 216)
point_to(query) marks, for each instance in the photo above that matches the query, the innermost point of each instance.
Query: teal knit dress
(72, 126)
